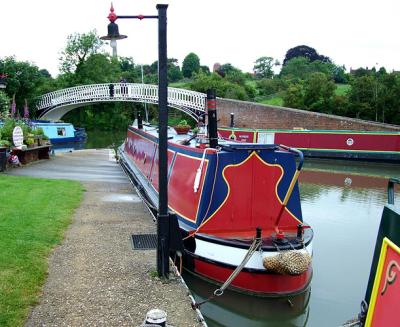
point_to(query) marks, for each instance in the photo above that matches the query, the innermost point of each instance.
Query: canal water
(343, 202)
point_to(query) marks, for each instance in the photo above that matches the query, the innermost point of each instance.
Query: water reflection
(343, 202)
(67, 147)
(94, 140)
(236, 309)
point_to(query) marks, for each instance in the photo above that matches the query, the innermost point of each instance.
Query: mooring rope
(219, 291)
(360, 319)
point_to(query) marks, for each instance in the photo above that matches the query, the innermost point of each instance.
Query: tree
(174, 71)
(296, 68)
(300, 68)
(223, 87)
(293, 97)
(304, 51)
(319, 92)
(190, 65)
(362, 98)
(98, 68)
(24, 80)
(79, 47)
(263, 67)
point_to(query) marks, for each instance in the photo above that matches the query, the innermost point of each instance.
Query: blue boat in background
(59, 132)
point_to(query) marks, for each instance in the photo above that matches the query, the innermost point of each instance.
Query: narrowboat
(335, 144)
(237, 205)
(60, 132)
(381, 304)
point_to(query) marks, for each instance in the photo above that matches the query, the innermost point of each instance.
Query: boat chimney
(232, 120)
(139, 121)
(212, 118)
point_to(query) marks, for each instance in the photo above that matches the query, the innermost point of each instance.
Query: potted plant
(45, 139)
(4, 144)
(30, 142)
(183, 127)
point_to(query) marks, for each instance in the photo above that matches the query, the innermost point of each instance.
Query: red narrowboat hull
(340, 144)
(258, 283)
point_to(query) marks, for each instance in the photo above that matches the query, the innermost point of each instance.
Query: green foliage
(5, 143)
(318, 93)
(79, 47)
(190, 65)
(8, 128)
(24, 80)
(38, 131)
(174, 71)
(306, 52)
(362, 97)
(33, 219)
(267, 87)
(223, 88)
(98, 68)
(274, 101)
(183, 123)
(342, 89)
(4, 105)
(263, 67)
(293, 97)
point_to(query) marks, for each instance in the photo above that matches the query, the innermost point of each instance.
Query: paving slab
(95, 278)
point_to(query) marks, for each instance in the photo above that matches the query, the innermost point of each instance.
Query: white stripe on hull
(233, 256)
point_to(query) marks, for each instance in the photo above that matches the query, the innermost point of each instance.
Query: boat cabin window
(61, 131)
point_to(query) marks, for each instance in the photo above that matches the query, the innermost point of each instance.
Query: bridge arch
(54, 105)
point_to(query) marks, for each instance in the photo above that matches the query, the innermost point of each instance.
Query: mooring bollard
(156, 317)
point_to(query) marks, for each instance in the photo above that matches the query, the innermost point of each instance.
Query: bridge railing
(193, 103)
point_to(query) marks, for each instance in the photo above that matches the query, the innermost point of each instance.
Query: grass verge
(34, 214)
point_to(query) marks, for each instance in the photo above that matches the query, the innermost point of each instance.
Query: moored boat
(238, 208)
(336, 144)
(60, 132)
(381, 302)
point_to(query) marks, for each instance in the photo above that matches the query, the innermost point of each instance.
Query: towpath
(95, 278)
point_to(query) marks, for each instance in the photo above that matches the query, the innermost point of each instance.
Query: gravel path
(95, 278)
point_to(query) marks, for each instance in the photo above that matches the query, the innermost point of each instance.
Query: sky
(353, 33)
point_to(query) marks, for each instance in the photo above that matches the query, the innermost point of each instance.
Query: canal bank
(95, 277)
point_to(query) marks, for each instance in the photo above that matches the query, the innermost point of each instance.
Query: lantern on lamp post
(113, 31)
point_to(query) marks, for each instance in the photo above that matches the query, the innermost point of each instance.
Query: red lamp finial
(112, 16)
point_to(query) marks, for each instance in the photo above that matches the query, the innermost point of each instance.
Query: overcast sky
(352, 33)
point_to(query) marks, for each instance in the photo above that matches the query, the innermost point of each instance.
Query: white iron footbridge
(54, 105)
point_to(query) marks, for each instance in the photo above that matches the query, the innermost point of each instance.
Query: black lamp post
(163, 221)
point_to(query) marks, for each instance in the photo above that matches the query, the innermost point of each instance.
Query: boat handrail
(296, 151)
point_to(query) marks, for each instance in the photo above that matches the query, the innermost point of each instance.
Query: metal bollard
(156, 317)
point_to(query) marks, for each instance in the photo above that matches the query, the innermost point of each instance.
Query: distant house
(360, 71)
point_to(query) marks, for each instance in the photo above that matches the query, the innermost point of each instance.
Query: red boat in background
(237, 205)
(338, 144)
